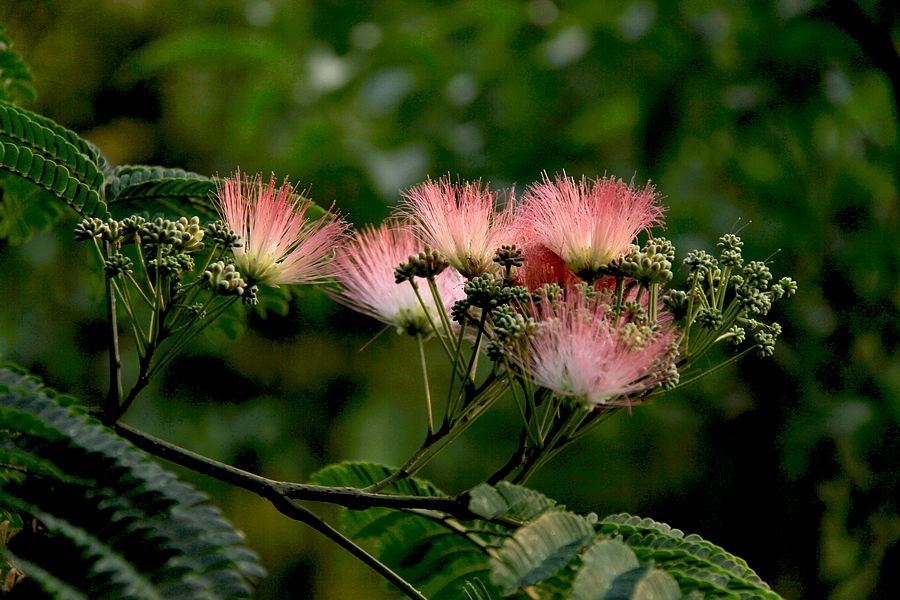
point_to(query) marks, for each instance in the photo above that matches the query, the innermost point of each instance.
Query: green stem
(116, 390)
(439, 306)
(528, 417)
(449, 405)
(427, 387)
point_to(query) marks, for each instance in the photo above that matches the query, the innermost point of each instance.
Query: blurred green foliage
(778, 118)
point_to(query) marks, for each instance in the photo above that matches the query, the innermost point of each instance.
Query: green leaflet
(41, 163)
(15, 76)
(31, 189)
(539, 550)
(508, 500)
(696, 563)
(116, 522)
(134, 189)
(437, 559)
(27, 130)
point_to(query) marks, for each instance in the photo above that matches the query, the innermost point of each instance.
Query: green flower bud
(509, 256)
(88, 229)
(220, 233)
(428, 263)
(116, 265)
(710, 318)
(224, 279)
(191, 236)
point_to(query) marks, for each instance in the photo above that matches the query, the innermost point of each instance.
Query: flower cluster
(554, 287)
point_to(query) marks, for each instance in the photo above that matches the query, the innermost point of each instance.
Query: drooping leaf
(643, 583)
(694, 562)
(539, 549)
(508, 500)
(602, 562)
(436, 558)
(114, 524)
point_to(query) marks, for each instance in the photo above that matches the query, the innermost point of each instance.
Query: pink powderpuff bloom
(280, 245)
(583, 351)
(460, 222)
(589, 223)
(364, 268)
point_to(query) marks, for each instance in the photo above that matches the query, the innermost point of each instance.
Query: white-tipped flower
(280, 244)
(365, 267)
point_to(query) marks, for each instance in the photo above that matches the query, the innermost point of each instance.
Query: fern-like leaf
(174, 192)
(694, 562)
(437, 559)
(27, 130)
(114, 524)
(15, 76)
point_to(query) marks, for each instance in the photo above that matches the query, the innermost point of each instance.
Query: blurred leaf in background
(778, 118)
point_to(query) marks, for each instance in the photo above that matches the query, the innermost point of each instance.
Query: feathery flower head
(584, 351)
(364, 268)
(591, 222)
(280, 244)
(459, 221)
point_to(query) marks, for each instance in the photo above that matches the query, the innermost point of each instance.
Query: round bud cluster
(636, 336)
(731, 251)
(224, 279)
(753, 299)
(428, 263)
(487, 291)
(509, 256)
(132, 225)
(191, 235)
(650, 265)
(220, 233)
(159, 232)
(551, 291)
(510, 328)
(112, 231)
(710, 317)
(88, 229)
(765, 343)
(676, 302)
(699, 259)
(116, 265)
(633, 312)
(785, 288)
(757, 274)
(737, 335)
(173, 265)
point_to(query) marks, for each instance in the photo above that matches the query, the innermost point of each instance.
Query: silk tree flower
(460, 221)
(589, 223)
(584, 352)
(364, 269)
(280, 244)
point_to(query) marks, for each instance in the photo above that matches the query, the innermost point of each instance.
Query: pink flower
(583, 351)
(280, 245)
(460, 222)
(589, 223)
(364, 268)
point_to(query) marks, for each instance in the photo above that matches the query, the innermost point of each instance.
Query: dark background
(776, 118)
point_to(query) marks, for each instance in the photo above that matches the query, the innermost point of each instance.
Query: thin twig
(352, 498)
(300, 513)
